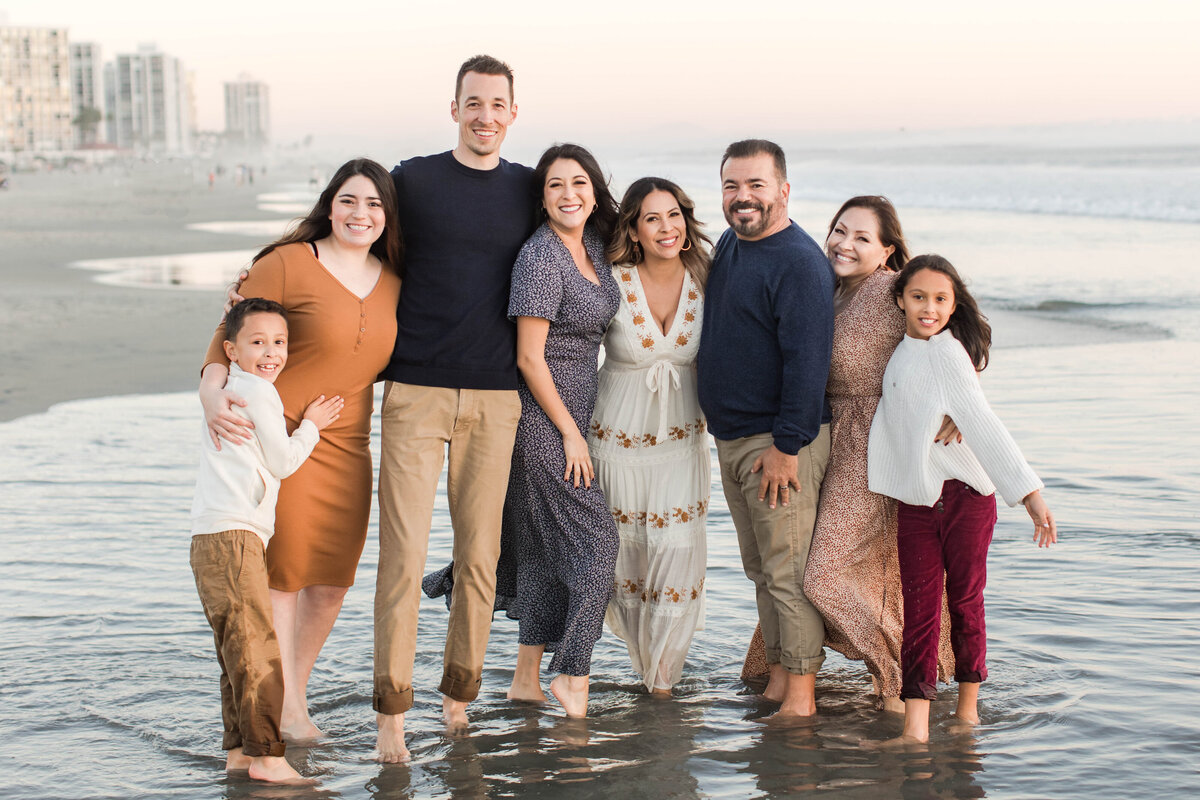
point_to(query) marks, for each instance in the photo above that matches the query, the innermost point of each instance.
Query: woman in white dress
(648, 439)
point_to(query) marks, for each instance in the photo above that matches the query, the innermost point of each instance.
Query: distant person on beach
(559, 541)
(853, 577)
(233, 519)
(762, 367)
(337, 274)
(451, 384)
(947, 492)
(648, 438)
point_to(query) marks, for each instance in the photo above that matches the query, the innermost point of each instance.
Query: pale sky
(639, 70)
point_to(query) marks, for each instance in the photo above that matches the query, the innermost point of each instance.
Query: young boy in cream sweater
(233, 517)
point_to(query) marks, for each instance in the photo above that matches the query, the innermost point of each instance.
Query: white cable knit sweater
(237, 486)
(924, 381)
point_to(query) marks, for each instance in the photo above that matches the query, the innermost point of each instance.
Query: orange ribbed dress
(338, 343)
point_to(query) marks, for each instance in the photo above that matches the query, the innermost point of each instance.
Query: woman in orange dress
(338, 275)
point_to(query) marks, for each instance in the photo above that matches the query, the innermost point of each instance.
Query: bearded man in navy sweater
(451, 384)
(763, 363)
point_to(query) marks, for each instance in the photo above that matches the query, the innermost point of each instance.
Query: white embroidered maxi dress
(649, 446)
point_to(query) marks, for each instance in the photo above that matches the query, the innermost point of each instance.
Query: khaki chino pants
(231, 579)
(479, 426)
(774, 543)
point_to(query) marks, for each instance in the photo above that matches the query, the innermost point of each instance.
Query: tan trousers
(774, 543)
(231, 579)
(418, 423)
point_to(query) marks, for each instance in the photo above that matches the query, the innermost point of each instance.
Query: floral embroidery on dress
(629, 441)
(653, 519)
(637, 587)
(643, 332)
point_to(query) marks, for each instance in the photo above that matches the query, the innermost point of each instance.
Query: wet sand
(63, 336)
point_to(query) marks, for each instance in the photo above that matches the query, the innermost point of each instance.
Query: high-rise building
(87, 94)
(35, 91)
(148, 102)
(247, 111)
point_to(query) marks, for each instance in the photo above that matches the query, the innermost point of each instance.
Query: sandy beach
(63, 336)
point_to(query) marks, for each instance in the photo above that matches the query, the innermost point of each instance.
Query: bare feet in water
(276, 769)
(892, 705)
(526, 692)
(236, 760)
(968, 703)
(389, 746)
(904, 743)
(571, 691)
(297, 728)
(454, 712)
(799, 696)
(665, 693)
(776, 684)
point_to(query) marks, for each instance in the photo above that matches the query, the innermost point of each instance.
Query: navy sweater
(767, 338)
(462, 230)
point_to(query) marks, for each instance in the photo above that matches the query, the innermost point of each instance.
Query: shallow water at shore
(109, 684)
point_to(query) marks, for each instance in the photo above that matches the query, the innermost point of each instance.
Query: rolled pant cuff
(263, 749)
(978, 676)
(803, 666)
(922, 691)
(392, 702)
(459, 689)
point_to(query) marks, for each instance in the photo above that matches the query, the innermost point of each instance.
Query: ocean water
(108, 685)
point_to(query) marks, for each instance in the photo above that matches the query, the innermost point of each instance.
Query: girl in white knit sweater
(946, 491)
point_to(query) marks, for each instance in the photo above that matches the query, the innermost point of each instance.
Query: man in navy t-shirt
(452, 381)
(763, 363)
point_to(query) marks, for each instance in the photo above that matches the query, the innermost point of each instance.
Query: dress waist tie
(660, 379)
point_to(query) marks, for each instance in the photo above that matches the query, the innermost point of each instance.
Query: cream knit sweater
(236, 486)
(925, 380)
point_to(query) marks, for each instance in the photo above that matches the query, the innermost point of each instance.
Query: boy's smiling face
(261, 345)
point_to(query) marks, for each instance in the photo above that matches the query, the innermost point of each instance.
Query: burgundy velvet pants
(951, 537)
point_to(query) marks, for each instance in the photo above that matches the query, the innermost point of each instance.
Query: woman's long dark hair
(604, 218)
(697, 259)
(890, 232)
(967, 323)
(388, 248)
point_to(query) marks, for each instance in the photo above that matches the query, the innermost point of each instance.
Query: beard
(747, 228)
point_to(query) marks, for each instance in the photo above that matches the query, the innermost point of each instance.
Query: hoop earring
(687, 245)
(637, 253)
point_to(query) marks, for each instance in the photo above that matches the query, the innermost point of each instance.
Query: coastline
(63, 335)
(66, 336)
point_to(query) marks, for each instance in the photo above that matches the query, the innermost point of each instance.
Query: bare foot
(301, 733)
(777, 684)
(794, 710)
(660, 692)
(967, 717)
(892, 705)
(903, 743)
(276, 769)
(236, 760)
(525, 692)
(571, 691)
(389, 745)
(454, 712)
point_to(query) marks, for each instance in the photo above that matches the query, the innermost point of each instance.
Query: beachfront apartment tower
(35, 90)
(147, 98)
(87, 94)
(247, 112)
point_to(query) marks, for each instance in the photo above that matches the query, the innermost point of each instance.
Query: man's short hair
(748, 148)
(236, 318)
(484, 65)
